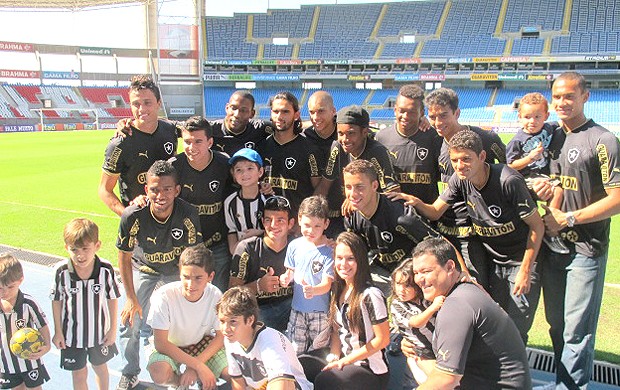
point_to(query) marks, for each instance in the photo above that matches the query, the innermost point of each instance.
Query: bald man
(322, 133)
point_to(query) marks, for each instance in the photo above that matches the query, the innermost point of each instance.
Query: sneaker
(128, 382)
(556, 244)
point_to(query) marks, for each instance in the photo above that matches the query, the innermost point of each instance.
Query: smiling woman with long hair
(359, 317)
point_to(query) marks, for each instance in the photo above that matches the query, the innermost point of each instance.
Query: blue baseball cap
(247, 154)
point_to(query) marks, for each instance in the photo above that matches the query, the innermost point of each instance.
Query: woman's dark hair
(361, 281)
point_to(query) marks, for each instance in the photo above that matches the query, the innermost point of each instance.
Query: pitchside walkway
(38, 281)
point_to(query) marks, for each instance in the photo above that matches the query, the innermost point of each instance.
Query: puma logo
(443, 354)
(524, 204)
(144, 154)
(153, 240)
(189, 187)
(395, 154)
(220, 146)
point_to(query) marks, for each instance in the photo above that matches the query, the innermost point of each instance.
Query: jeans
(222, 259)
(129, 337)
(573, 291)
(276, 315)
(475, 258)
(520, 308)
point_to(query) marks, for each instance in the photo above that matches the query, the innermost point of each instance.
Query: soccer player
(19, 310)
(389, 229)
(259, 261)
(477, 346)
(444, 112)
(414, 152)
(239, 129)
(505, 218)
(128, 158)
(322, 135)
(164, 227)
(353, 143)
(205, 182)
(259, 357)
(186, 330)
(586, 159)
(290, 161)
(84, 304)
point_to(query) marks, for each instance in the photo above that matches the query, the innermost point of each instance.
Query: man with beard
(289, 159)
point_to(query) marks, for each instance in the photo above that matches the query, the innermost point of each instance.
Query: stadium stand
(594, 28)
(283, 23)
(226, 38)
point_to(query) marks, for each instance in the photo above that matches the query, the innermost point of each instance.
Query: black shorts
(33, 378)
(73, 359)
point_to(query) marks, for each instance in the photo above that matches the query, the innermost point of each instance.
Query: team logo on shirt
(495, 211)
(152, 239)
(422, 153)
(177, 233)
(104, 350)
(251, 368)
(190, 187)
(21, 323)
(290, 162)
(214, 186)
(96, 288)
(317, 266)
(572, 236)
(573, 154)
(169, 147)
(34, 375)
(250, 145)
(387, 237)
(144, 154)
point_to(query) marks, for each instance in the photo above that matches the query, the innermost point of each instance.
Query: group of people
(280, 247)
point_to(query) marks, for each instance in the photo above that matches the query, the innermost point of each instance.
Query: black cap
(353, 115)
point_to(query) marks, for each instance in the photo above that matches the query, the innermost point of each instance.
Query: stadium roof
(69, 4)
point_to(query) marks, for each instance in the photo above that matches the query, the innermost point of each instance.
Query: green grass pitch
(51, 177)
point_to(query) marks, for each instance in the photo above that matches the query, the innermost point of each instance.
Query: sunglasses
(278, 202)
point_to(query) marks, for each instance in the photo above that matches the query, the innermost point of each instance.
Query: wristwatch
(570, 219)
(332, 357)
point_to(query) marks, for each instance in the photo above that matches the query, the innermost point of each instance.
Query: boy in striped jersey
(84, 304)
(19, 310)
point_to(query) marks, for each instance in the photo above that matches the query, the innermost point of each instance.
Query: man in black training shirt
(585, 157)
(414, 152)
(239, 129)
(258, 263)
(289, 158)
(128, 158)
(204, 177)
(322, 135)
(389, 229)
(353, 143)
(164, 227)
(444, 112)
(505, 218)
(476, 344)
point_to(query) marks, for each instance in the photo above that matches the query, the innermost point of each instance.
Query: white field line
(59, 209)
